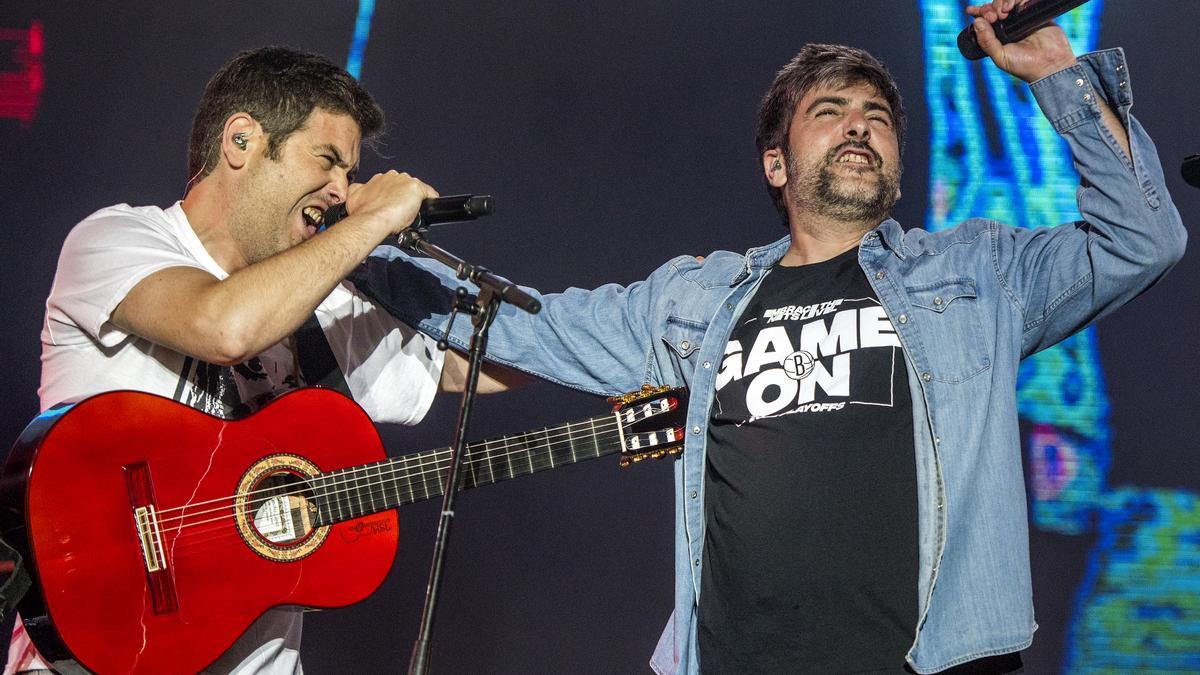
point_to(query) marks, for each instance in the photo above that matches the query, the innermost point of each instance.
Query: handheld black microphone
(1020, 24)
(448, 209)
(1191, 170)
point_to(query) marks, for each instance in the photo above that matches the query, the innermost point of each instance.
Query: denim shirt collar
(893, 236)
(764, 257)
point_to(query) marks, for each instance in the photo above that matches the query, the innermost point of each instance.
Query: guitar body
(137, 516)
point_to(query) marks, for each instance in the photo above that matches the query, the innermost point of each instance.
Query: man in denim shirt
(851, 484)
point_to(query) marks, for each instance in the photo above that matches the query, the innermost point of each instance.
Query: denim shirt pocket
(946, 313)
(682, 338)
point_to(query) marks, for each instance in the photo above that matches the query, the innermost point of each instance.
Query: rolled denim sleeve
(1064, 278)
(597, 341)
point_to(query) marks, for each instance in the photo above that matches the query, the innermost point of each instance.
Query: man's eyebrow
(337, 155)
(842, 101)
(835, 100)
(875, 105)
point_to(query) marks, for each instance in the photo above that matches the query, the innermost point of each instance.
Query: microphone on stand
(1020, 23)
(435, 211)
(451, 209)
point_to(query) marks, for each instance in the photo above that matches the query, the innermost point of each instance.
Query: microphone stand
(492, 291)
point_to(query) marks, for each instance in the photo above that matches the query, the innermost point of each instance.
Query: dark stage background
(613, 136)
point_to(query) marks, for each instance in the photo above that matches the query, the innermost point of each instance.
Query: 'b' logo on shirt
(799, 364)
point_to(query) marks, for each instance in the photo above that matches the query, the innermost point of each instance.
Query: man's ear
(241, 139)
(774, 168)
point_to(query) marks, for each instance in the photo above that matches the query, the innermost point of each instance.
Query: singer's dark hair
(819, 65)
(279, 88)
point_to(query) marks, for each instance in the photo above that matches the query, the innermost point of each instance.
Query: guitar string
(606, 422)
(606, 425)
(353, 480)
(412, 463)
(534, 467)
(187, 541)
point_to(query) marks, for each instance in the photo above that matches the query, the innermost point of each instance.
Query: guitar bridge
(149, 535)
(150, 538)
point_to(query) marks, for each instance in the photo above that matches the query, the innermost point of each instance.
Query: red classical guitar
(156, 534)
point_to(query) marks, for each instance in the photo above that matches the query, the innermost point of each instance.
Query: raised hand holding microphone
(1044, 51)
(433, 210)
(388, 203)
(1025, 18)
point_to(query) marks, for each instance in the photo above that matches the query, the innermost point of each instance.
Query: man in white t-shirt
(199, 302)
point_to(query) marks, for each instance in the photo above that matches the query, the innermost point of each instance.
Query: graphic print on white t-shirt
(235, 391)
(815, 358)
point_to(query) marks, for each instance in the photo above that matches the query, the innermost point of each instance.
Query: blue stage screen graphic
(992, 154)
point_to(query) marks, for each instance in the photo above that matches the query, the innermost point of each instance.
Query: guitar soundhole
(276, 512)
(281, 510)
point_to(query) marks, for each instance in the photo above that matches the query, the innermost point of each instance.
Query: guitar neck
(362, 490)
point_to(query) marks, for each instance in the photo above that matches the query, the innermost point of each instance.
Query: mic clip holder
(414, 241)
(463, 302)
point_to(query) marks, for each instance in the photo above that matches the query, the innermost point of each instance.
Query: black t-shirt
(810, 561)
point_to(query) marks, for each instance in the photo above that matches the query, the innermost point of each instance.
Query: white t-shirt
(392, 370)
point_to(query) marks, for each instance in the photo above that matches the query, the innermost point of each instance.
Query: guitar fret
(529, 456)
(368, 491)
(489, 463)
(331, 505)
(481, 463)
(574, 458)
(332, 489)
(470, 478)
(358, 495)
(495, 465)
(423, 471)
(318, 494)
(331, 498)
(441, 477)
(378, 501)
(408, 483)
(562, 447)
(526, 448)
(394, 483)
(595, 439)
(508, 465)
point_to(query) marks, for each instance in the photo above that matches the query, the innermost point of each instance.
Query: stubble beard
(257, 228)
(817, 189)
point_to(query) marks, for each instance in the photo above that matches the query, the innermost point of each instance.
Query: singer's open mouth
(313, 216)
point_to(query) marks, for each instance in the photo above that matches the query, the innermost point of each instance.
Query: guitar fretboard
(362, 490)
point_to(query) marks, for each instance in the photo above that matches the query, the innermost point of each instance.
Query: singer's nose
(339, 188)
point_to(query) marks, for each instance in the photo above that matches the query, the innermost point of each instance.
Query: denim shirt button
(693, 494)
(708, 364)
(696, 562)
(879, 275)
(1079, 82)
(684, 345)
(695, 430)
(926, 376)
(1087, 97)
(903, 318)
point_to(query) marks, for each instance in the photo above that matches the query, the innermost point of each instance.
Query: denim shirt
(968, 304)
